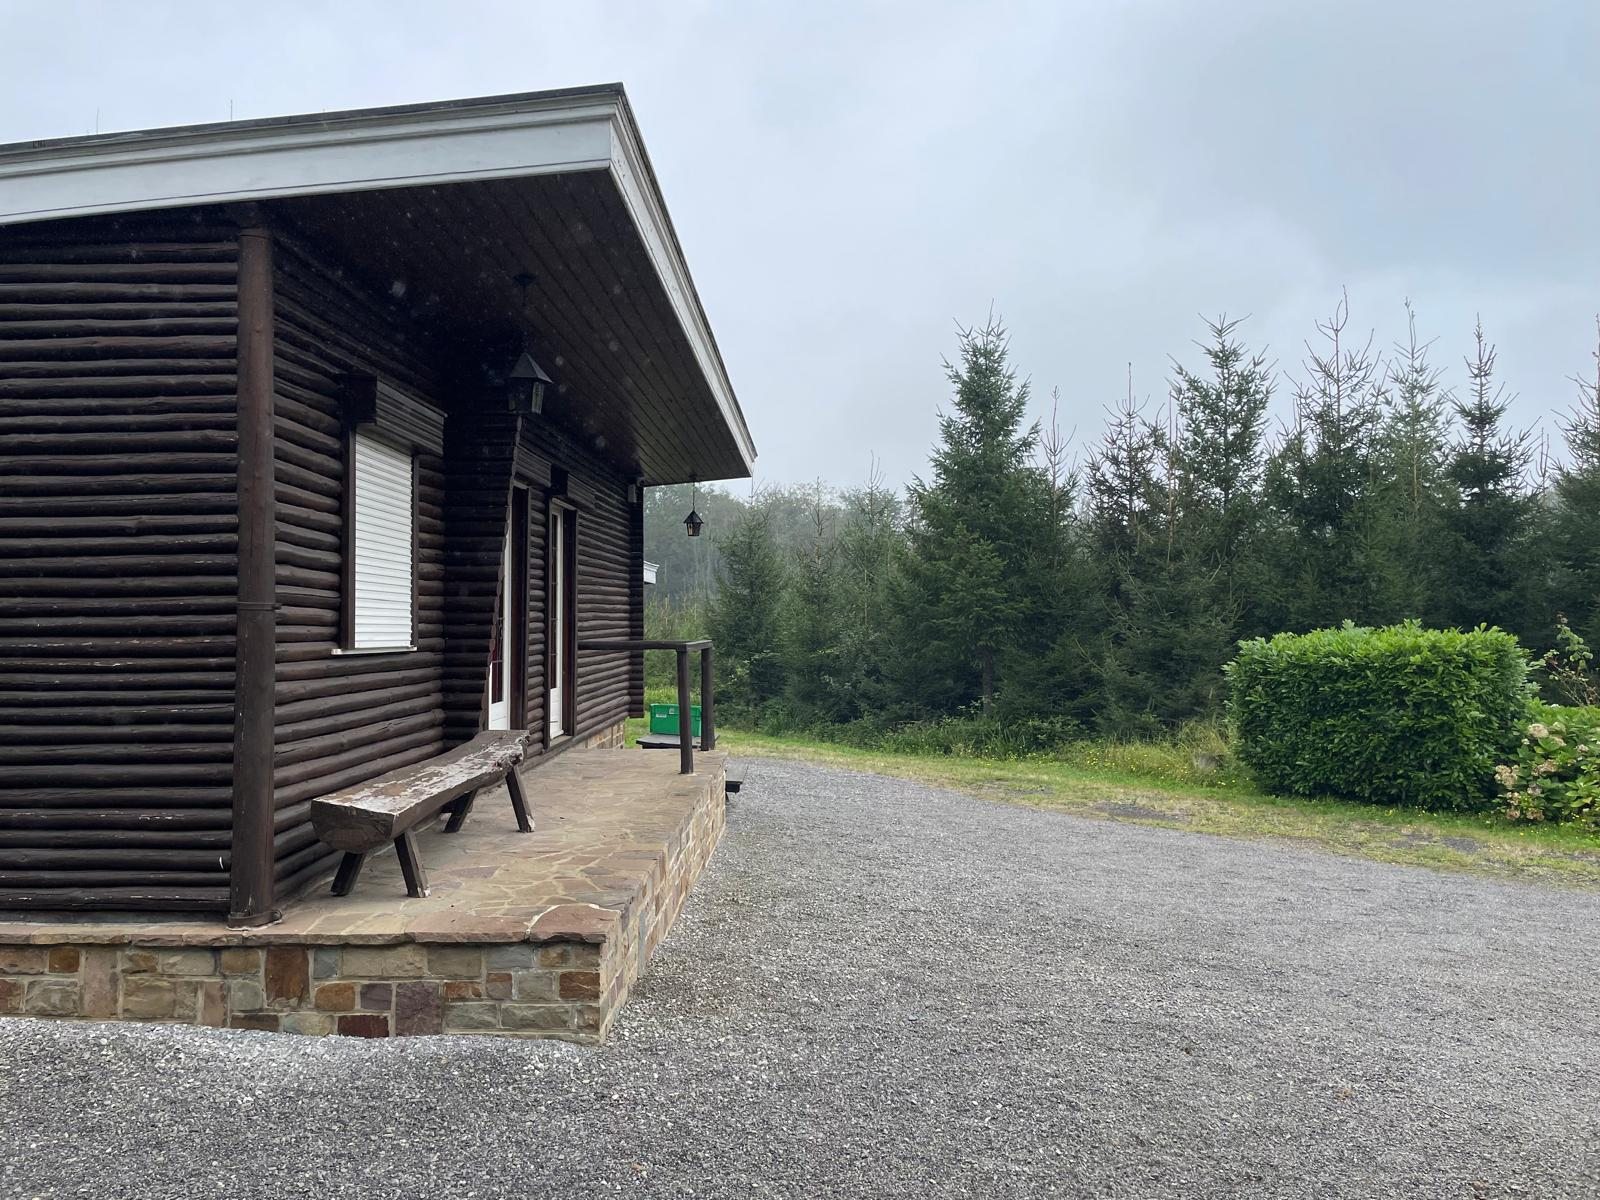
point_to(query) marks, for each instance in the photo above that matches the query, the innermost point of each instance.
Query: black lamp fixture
(525, 385)
(692, 522)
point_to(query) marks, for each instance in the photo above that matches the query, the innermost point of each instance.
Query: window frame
(347, 566)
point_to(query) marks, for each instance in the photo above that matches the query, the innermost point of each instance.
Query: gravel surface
(883, 989)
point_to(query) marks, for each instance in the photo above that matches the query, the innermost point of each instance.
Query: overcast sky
(849, 181)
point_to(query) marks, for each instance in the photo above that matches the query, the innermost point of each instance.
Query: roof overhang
(503, 137)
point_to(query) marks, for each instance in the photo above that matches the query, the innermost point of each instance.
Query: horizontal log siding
(340, 720)
(610, 559)
(605, 569)
(479, 451)
(533, 691)
(117, 564)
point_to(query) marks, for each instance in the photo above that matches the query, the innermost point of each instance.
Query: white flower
(1538, 731)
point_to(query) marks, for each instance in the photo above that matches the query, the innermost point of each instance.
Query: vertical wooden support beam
(708, 701)
(251, 874)
(685, 717)
(636, 594)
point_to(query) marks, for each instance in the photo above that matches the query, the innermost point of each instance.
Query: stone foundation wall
(671, 878)
(552, 988)
(612, 737)
(568, 979)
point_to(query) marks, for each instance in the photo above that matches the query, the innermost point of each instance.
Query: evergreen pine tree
(1218, 466)
(1051, 669)
(1575, 515)
(1162, 639)
(1126, 493)
(813, 651)
(871, 539)
(745, 615)
(1410, 486)
(1319, 480)
(977, 524)
(1488, 524)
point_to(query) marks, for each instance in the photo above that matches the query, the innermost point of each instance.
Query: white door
(560, 615)
(502, 656)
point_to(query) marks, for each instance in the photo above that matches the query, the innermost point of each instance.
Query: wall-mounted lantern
(525, 385)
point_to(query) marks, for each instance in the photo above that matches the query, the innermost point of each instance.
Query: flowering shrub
(1569, 667)
(1556, 773)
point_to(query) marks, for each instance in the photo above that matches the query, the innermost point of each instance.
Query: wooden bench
(360, 819)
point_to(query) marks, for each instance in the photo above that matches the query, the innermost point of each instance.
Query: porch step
(664, 741)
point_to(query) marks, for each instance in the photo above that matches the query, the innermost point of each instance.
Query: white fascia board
(303, 157)
(636, 183)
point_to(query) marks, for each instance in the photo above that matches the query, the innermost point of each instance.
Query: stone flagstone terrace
(539, 934)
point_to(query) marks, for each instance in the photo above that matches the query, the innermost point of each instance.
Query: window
(380, 524)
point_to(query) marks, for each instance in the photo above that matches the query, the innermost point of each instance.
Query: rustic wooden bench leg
(405, 848)
(458, 810)
(349, 869)
(519, 801)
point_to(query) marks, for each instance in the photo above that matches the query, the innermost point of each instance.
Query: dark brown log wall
(537, 480)
(609, 594)
(479, 452)
(117, 564)
(607, 570)
(346, 718)
(341, 719)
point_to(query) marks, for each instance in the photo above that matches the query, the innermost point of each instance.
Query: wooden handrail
(641, 644)
(708, 720)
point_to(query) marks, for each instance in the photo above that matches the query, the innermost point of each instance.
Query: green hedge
(1402, 715)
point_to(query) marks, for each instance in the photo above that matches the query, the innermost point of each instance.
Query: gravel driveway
(882, 989)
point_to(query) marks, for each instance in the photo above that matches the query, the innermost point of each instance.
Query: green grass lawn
(1158, 785)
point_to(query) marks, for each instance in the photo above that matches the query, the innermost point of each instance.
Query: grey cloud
(851, 180)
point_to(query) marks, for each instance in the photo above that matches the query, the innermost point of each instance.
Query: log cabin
(323, 446)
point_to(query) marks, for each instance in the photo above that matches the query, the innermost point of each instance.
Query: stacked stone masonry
(567, 976)
(612, 737)
(554, 989)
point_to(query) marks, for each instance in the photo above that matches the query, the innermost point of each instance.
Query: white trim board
(301, 156)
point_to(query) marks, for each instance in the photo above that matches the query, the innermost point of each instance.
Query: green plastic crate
(664, 719)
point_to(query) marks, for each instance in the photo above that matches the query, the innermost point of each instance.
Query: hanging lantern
(526, 384)
(692, 522)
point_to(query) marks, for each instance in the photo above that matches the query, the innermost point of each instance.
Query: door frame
(511, 615)
(564, 512)
(517, 529)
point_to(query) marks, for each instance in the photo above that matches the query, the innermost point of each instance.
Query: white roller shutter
(384, 512)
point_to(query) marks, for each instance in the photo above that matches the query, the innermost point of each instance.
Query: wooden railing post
(685, 716)
(708, 720)
(708, 716)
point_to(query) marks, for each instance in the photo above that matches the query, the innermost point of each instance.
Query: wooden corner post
(251, 893)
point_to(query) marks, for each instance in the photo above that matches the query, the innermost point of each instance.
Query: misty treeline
(1035, 585)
